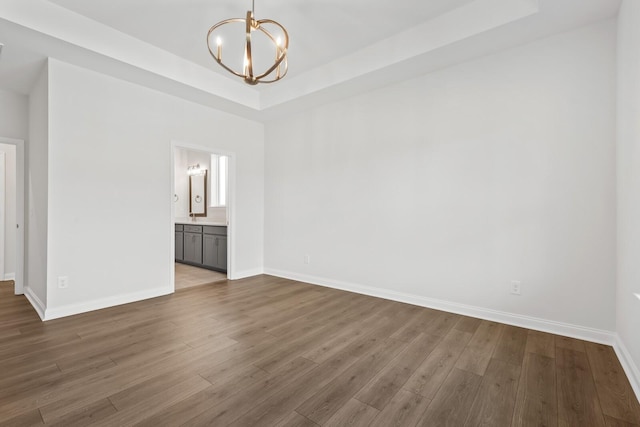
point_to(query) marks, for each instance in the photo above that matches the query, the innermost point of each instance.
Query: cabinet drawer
(179, 227)
(212, 229)
(193, 228)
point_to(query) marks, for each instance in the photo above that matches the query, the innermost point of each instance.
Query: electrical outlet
(307, 259)
(63, 282)
(516, 287)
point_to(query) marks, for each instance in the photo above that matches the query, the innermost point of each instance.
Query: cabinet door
(179, 245)
(193, 247)
(209, 250)
(221, 244)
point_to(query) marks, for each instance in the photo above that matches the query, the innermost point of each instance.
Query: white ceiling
(338, 48)
(320, 31)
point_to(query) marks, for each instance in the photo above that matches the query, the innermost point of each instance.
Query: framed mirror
(198, 194)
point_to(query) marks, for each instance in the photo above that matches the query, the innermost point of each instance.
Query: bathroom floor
(188, 276)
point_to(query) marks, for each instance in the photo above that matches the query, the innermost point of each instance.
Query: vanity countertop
(219, 224)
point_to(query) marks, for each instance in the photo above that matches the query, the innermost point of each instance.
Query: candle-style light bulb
(278, 44)
(219, 43)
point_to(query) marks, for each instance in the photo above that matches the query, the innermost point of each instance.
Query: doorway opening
(201, 215)
(12, 212)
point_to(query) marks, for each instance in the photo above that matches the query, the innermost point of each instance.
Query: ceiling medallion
(276, 36)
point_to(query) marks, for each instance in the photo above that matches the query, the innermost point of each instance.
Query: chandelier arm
(274, 80)
(277, 24)
(211, 30)
(215, 27)
(283, 54)
(231, 70)
(286, 69)
(270, 70)
(249, 65)
(221, 23)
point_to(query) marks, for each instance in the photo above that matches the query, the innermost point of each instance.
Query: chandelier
(277, 40)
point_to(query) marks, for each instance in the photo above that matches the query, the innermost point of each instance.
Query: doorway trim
(231, 205)
(20, 218)
(3, 213)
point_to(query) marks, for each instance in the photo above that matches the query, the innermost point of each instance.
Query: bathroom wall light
(195, 170)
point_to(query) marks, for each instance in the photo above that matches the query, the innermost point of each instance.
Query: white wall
(10, 234)
(110, 188)
(37, 193)
(14, 117)
(181, 182)
(14, 123)
(451, 185)
(628, 150)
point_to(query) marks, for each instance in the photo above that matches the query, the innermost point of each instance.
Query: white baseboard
(247, 273)
(9, 276)
(35, 302)
(83, 307)
(630, 368)
(551, 326)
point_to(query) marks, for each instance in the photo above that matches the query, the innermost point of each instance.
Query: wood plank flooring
(187, 276)
(265, 351)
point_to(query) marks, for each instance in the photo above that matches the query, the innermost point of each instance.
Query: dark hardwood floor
(267, 351)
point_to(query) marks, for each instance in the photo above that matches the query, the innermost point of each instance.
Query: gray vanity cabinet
(192, 244)
(202, 246)
(214, 247)
(222, 253)
(179, 242)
